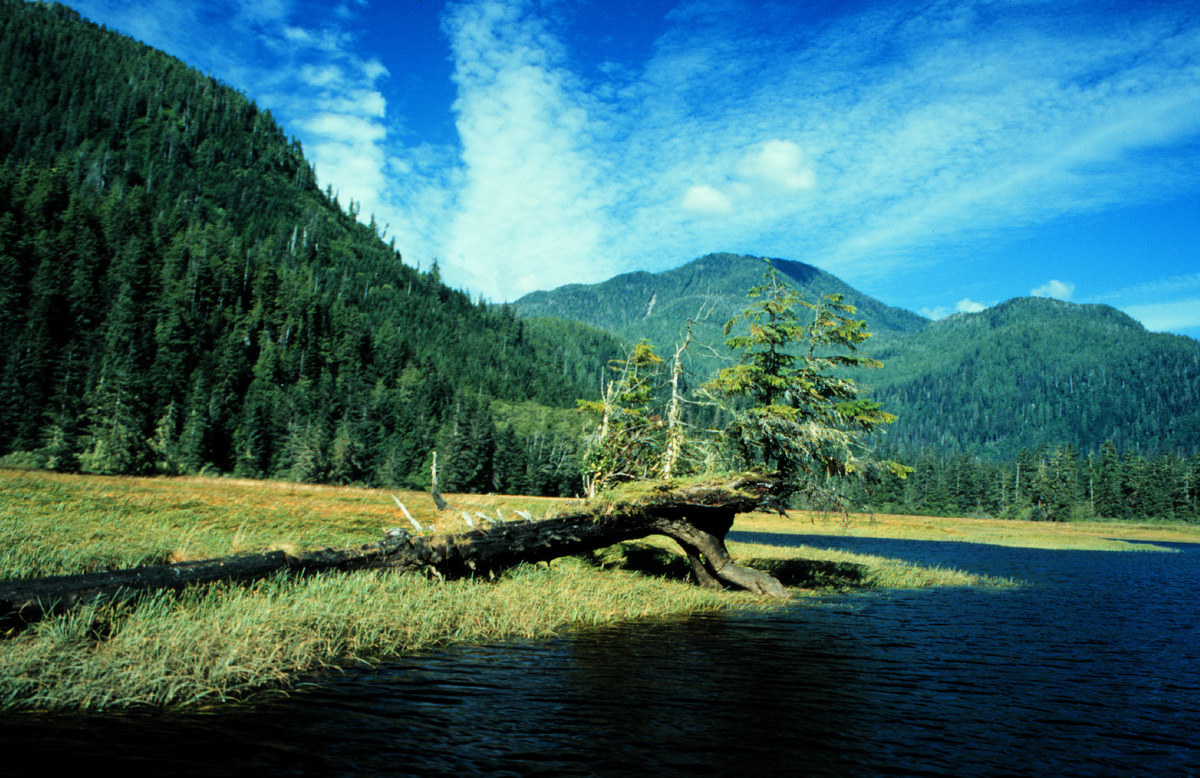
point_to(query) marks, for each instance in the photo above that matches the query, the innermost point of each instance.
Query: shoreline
(1089, 535)
(225, 643)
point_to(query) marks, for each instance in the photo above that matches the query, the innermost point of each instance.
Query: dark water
(1091, 669)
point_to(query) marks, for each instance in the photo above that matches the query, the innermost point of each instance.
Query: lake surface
(1091, 669)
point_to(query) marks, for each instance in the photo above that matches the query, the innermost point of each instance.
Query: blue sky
(940, 156)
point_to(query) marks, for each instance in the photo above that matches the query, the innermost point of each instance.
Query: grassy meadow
(228, 642)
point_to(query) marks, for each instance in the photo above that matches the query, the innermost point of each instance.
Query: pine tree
(1108, 482)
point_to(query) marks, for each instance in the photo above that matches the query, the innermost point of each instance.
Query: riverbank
(1081, 536)
(215, 644)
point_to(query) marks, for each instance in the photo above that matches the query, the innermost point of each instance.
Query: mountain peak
(657, 305)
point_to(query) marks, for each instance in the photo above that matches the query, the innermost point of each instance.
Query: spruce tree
(805, 419)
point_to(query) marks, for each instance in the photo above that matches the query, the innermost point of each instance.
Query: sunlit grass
(218, 643)
(1083, 536)
(56, 524)
(224, 642)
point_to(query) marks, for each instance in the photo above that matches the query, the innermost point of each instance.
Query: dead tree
(697, 516)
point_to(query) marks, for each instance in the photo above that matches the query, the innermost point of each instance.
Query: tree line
(1049, 483)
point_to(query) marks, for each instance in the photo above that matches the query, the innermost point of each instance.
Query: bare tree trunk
(434, 492)
(675, 412)
(697, 516)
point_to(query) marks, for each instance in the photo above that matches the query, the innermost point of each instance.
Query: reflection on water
(1089, 670)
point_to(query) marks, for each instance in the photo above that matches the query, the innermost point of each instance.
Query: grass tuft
(227, 642)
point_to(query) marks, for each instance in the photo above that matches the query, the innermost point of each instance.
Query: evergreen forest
(1048, 483)
(177, 295)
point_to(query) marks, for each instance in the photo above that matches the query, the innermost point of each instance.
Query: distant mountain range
(1025, 373)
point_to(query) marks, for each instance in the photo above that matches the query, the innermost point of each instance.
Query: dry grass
(225, 642)
(53, 523)
(1093, 536)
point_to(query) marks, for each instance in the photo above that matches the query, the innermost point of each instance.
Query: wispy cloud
(1175, 316)
(536, 194)
(1164, 287)
(855, 143)
(1168, 304)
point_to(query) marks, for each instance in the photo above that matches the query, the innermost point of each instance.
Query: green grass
(813, 568)
(221, 643)
(227, 642)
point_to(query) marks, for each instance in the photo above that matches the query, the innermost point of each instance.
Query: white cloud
(1059, 290)
(965, 305)
(704, 199)
(321, 76)
(779, 166)
(532, 210)
(773, 168)
(299, 36)
(1168, 316)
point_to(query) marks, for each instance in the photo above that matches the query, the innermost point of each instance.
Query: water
(1091, 669)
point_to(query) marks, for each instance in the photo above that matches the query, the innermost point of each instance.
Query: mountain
(1034, 371)
(656, 306)
(178, 295)
(1023, 374)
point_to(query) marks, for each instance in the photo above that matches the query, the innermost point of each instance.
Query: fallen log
(697, 516)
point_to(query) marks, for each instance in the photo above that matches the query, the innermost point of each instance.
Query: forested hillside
(1035, 371)
(1035, 408)
(656, 306)
(1044, 409)
(178, 295)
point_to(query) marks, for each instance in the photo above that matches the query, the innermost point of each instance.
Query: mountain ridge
(656, 306)
(1024, 373)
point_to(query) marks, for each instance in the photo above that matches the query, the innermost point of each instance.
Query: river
(1092, 668)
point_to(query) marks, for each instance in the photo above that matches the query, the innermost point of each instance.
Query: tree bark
(697, 516)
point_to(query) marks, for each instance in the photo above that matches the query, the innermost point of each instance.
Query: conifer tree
(804, 419)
